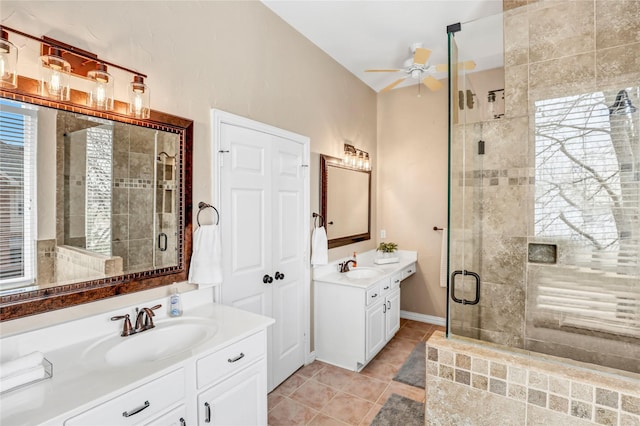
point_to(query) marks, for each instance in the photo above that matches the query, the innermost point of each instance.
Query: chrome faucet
(144, 319)
(344, 266)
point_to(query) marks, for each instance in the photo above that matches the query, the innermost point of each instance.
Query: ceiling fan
(418, 68)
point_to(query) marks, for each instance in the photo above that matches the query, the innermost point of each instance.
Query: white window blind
(18, 136)
(587, 199)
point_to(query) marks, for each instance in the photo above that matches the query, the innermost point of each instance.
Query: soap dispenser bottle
(355, 260)
(175, 306)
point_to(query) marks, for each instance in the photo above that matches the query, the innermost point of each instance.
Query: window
(587, 199)
(18, 136)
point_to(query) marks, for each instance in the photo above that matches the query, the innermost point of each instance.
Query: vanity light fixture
(138, 98)
(59, 61)
(356, 158)
(101, 94)
(54, 75)
(491, 102)
(8, 60)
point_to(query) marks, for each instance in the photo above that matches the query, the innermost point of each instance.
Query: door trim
(219, 117)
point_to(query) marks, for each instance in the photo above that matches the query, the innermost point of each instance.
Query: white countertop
(329, 273)
(79, 383)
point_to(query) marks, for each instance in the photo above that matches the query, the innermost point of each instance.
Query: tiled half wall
(473, 384)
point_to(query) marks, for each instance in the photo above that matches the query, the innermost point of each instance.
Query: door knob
(267, 279)
(279, 276)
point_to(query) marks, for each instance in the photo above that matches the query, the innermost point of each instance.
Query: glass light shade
(101, 95)
(55, 76)
(367, 162)
(139, 105)
(8, 61)
(360, 160)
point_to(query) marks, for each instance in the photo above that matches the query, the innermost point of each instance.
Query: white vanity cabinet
(355, 319)
(232, 384)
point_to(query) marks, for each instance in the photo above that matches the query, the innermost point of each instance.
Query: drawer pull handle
(374, 295)
(207, 417)
(182, 422)
(388, 305)
(136, 410)
(397, 281)
(386, 288)
(238, 358)
(409, 271)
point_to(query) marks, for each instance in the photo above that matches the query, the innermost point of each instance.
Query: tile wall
(476, 385)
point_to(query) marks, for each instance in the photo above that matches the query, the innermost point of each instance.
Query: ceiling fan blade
(469, 65)
(394, 84)
(382, 70)
(421, 56)
(432, 83)
(466, 65)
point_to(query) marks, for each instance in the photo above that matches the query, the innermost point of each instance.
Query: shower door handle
(162, 241)
(453, 287)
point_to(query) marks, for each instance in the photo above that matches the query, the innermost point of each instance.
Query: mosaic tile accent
(130, 183)
(562, 390)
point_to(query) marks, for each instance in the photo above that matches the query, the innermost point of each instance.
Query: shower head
(622, 105)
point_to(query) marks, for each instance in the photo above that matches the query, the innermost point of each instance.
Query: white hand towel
(443, 259)
(206, 261)
(22, 377)
(319, 247)
(23, 363)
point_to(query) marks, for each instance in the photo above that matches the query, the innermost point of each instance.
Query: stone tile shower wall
(133, 186)
(552, 49)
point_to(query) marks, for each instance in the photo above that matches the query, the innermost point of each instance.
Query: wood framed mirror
(112, 205)
(345, 202)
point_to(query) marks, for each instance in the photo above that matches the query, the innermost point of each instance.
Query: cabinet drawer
(408, 271)
(373, 294)
(395, 280)
(385, 286)
(175, 417)
(137, 405)
(230, 359)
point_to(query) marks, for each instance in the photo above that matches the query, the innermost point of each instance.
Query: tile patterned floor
(322, 394)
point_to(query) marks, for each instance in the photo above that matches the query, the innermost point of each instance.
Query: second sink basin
(362, 273)
(166, 339)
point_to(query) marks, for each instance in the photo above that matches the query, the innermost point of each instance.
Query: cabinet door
(239, 400)
(392, 315)
(375, 326)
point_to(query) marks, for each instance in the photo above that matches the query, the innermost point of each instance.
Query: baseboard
(311, 356)
(429, 319)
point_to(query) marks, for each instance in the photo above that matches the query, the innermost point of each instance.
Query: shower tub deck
(477, 383)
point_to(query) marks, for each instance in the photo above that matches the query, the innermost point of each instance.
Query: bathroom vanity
(207, 367)
(358, 312)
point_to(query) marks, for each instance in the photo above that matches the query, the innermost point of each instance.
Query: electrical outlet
(383, 233)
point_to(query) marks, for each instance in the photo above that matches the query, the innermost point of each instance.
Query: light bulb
(55, 85)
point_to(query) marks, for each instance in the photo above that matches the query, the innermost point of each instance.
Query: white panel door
(245, 219)
(262, 210)
(287, 346)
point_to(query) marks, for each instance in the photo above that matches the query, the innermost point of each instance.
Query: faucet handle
(127, 329)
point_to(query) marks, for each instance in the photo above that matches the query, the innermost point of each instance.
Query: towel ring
(201, 206)
(315, 219)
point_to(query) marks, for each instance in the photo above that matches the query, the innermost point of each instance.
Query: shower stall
(544, 218)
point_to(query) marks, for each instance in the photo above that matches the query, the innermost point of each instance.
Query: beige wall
(412, 187)
(235, 56)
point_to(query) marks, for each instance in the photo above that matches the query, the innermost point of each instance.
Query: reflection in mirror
(346, 202)
(92, 204)
(114, 203)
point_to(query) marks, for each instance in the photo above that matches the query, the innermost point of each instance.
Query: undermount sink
(362, 273)
(166, 339)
